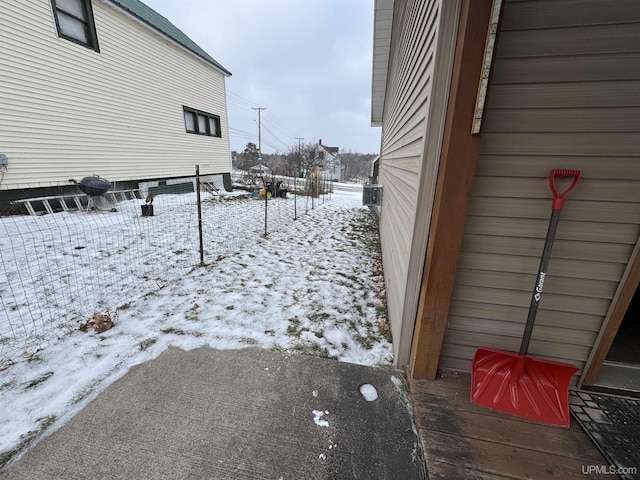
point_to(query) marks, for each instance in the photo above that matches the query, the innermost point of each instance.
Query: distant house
(260, 169)
(332, 165)
(468, 142)
(105, 87)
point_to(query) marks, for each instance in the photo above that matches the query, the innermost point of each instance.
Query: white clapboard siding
(565, 93)
(67, 111)
(415, 104)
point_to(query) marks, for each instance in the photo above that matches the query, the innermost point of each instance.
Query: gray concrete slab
(235, 414)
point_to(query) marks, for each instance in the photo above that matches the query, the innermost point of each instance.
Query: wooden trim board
(456, 174)
(611, 324)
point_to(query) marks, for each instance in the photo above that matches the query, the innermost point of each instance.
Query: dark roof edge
(161, 25)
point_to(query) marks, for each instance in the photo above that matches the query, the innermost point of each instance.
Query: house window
(201, 123)
(74, 21)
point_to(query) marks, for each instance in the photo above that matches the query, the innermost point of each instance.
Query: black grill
(94, 186)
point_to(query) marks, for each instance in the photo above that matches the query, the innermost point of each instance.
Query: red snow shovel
(517, 383)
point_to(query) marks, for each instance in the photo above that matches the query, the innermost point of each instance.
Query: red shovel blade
(521, 385)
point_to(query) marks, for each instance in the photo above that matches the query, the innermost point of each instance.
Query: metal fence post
(266, 203)
(199, 215)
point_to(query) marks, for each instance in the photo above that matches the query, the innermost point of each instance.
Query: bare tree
(312, 157)
(356, 166)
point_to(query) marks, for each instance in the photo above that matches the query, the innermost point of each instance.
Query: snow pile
(369, 392)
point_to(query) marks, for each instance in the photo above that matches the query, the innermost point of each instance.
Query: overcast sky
(308, 62)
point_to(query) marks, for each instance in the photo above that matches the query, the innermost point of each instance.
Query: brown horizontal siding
(584, 211)
(565, 93)
(544, 14)
(404, 158)
(576, 231)
(609, 272)
(572, 120)
(612, 167)
(571, 69)
(491, 312)
(544, 333)
(556, 143)
(552, 42)
(577, 287)
(408, 122)
(516, 298)
(555, 351)
(407, 97)
(562, 249)
(590, 189)
(397, 198)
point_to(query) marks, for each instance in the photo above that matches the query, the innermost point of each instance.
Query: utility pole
(299, 150)
(297, 172)
(266, 194)
(259, 110)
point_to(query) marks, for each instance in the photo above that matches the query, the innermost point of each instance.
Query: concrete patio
(236, 414)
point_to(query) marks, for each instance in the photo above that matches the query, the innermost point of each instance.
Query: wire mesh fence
(61, 267)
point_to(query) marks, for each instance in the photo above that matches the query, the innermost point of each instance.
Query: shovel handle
(558, 203)
(558, 198)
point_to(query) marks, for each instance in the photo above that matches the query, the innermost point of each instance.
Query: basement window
(201, 123)
(74, 21)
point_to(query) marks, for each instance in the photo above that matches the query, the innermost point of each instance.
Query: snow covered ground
(315, 286)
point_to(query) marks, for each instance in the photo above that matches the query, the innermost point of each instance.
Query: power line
(275, 138)
(276, 150)
(271, 117)
(249, 136)
(282, 127)
(239, 99)
(241, 134)
(280, 130)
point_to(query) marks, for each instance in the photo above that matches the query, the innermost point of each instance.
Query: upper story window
(74, 20)
(201, 123)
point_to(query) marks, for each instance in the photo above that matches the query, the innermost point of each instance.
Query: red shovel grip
(558, 198)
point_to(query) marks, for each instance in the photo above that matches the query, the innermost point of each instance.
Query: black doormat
(613, 423)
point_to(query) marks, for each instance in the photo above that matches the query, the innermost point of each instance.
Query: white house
(106, 87)
(332, 165)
